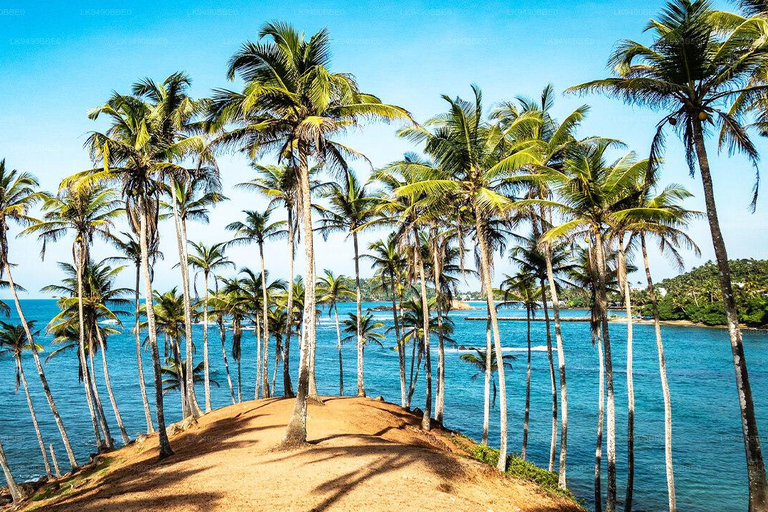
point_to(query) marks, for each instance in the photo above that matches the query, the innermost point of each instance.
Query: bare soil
(362, 455)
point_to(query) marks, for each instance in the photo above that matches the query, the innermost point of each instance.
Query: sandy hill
(363, 455)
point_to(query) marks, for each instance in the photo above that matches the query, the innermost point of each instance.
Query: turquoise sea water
(708, 450)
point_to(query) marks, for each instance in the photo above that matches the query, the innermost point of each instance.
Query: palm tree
(257, 228)
(590, 192)
(17, 195)
(694, 65)
(481, 362)
(13, 341)
(169, 314)
(174, 376)
(307, 105)
(351, 207)
(368, 327)
(86, 211)
(207, 259)
(334, 289)
(235, 305)
(218, 305)
(131, 252)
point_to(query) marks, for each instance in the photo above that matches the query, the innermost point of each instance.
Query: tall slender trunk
(527, 414)
(55, 462)
(414, 376)
(12, 485)
(358, 303)
(193, 408)
(296, 433)
(624, 284)
(164, 446)
(206, 367)
(287, 387)
(257, 333)
(338, 345)
(77, 255)
(100, 415)
(485, 273)
(278, 354)
(561, 474)
(223, 334)
(38, 363)
(139, 363)
(758, 485)
(440, 398)
(108, 384)
(265, 312)
(400, 347)
(426, 423)
(487, 383)
(552, 376)
(669, 466)
(602, 305)
(600, 421)
(32, 413)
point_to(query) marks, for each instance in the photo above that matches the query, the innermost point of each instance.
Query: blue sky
(60, 61)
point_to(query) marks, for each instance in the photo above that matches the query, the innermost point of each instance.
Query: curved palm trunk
(108, 384)
(296, 433)
(206, 366)
(358, 302)
(32, 413)
(193, 408)
(415, 377)
(39, 367)
(164, 444)
(426, 423)
(139, 363)
(12, 485)
(758, 485)
(600, 422)
(527, 414)
(487, 384)
(552, 377)
(602, 306)
(669, 466)
(561, 474)
(101, 445)
(100, 415)
(440, 397)
(265, 351)
(630, 381)
(400, 347)
(287, 386)
(338, 345)
(485, 272)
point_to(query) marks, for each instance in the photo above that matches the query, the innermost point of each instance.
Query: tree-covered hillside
(696, 295)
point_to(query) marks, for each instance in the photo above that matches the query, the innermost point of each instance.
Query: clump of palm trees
(513, 180)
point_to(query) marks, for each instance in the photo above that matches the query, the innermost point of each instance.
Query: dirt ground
(363, 455)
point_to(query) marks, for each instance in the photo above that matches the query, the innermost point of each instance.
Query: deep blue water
(708, 451)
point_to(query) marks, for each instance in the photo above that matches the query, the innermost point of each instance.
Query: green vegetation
(696, 295)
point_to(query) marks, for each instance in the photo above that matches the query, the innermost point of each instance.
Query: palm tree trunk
(39, 365)
(164, 445)
(265, 352)
(139, 363)
(278, 353)
(296, 433)
(338, 345)
(32, 413)
(487, 385)
(414, 377)
(287, 387)
(600, 421)
(602, 305)
(100, 415)
(664, 383)
(77, 255)
(552, 378)
(12, 486)
(55, 462)
(485, 273)
(426, 423)
(400, 347)
(207, 376)
(193, 408)
(527, 414)
(108, 384)
(624, 283)
(440, 398)
(223, 334)
(358, 302)
(561, 474)
(758, 485)
(257, 333)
